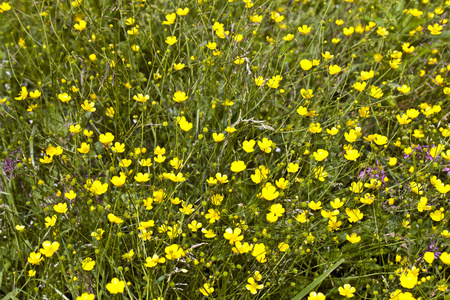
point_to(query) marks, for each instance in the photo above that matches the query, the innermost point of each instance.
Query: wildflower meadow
(224, 149)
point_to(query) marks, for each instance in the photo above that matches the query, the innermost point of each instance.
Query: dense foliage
(224, 149)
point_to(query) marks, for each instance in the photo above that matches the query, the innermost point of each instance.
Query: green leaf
(319, 279)
(11, 295)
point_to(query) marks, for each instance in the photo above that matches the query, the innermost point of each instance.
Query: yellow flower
(248, 146)
(276, 17)
(354, 215)
(292, 168)
(335, 40)
(445, 258)
(98, 188)
(182, 11)
(84, 148)
(233, 235)
(315, 128)
(179, 96)
(129, 255)
(238, 37)
(174, 252)
(327, 55)
(348, 31)
(403, 119)
(289, 37)
(170, 19)
(179, 66)
(118, 147)
(429, 257)
(380, 140)
(382, 31)
(265, 145)
(352, 154)
(354, 239)
(337, 203)
(116, 286)
(367, 75)
(347, 290)
(436, 29)
(238, 166)
(88, 106)
(110, 112)
(437, 215)
(141, 98)
(130, 21)
(218, 137)
(259, 252)
(304, 30)
(119, 181)
(60, 208)
(332, 131)
(334, 69)
(70, 195)
(106, 139)
(151, 262)
(49, 248)
(134, 30)
(306, 64)
(256, 18)
(86, 296)
(359, 86)
(216, 199)
(409, 279)
(87, 264)
(239, 60)
(98, 234)
(320, 154)
(230, 129)
(206, 289)
(75, 129)
(35, 258)
(316, 296)
(35, 94)
(171, 40)
(376, 92)
(23, 94)
(434, 151)
(114, 219)
(160, 158)
(306, 94)
(142, 177)
(269, 192)
(404, 89)
(50, 221)
(4, 7)
(64, 97)
(253, 286)
(302, 111)
(315, 205)
(392, 161)
(319, 173)
(80, 26)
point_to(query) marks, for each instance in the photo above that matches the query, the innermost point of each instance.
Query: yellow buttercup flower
(88, 264)
(179, 96)
(171, 40)
(80, 26)
(238, 166)
(304, 29)
(116, 286)
(334, 69)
